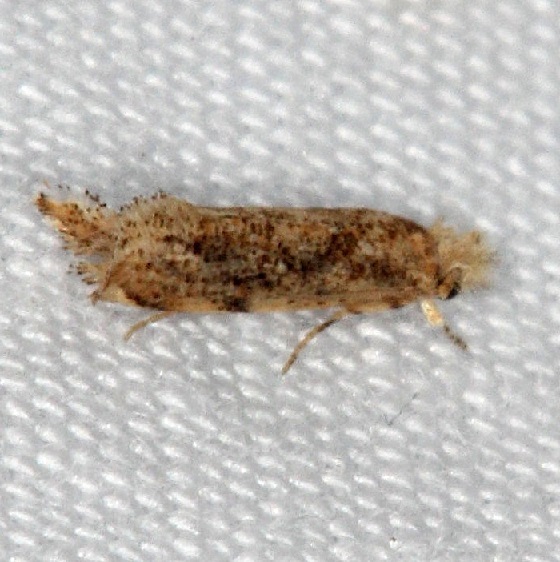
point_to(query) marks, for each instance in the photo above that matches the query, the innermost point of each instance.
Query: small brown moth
(169, 255)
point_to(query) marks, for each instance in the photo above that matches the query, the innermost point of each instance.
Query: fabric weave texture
(384, 441)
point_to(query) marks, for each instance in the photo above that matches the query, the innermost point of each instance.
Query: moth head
(464, 260)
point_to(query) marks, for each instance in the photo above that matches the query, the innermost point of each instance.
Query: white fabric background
(385, 442)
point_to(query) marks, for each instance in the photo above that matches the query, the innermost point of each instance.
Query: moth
(168, 255)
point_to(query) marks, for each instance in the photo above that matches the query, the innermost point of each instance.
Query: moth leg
(375, 305)
(149, 320)
(435, 318)
(335, 317)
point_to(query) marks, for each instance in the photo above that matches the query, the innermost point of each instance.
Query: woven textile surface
(384, 441)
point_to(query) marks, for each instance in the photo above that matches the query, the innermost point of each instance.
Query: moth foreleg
(435, 318)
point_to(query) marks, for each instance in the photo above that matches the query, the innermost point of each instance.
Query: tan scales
(166, 254)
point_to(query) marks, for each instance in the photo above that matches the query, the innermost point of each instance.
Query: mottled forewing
(259, 258)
